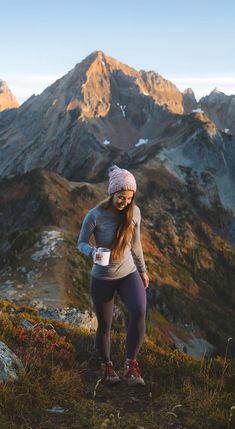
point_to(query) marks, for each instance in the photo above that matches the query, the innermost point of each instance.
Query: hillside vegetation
(61, 387)
(191, 266)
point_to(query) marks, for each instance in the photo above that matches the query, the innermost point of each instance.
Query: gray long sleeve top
(103, 225)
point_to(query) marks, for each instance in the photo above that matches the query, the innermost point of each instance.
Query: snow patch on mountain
(102, 60)
(198, 110)
(141, 142)
(122, 109)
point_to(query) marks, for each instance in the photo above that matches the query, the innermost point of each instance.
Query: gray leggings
(133, 294)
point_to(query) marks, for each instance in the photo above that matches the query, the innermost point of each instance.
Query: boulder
(84, 319)
(10, 364)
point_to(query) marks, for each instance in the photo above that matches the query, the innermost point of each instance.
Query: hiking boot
(132, 373)
(109, 374)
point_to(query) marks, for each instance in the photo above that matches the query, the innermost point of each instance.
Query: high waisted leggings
(133, 294)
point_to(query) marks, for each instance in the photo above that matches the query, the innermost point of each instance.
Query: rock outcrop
(163, 91)
(189, 101)
(10, 364)
(84, 319)
(221, 109)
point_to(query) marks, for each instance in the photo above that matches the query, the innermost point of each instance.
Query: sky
(190, 43)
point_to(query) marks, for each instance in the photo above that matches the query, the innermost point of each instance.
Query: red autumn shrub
(43, 343)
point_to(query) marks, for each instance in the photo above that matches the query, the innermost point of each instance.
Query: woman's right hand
(96, 256)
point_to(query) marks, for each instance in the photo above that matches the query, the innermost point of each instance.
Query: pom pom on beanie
(120, 180)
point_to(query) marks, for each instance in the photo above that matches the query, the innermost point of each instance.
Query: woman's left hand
(145, 279)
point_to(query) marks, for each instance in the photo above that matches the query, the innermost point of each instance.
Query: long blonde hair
(124, 230)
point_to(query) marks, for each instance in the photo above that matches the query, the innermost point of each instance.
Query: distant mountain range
(183, 155)
(103, 111)
(149, 83)
(98, 109)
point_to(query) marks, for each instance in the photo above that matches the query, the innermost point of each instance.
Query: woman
(115, 224)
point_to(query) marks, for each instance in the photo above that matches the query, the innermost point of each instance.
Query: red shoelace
(109, 370)
(134, 368)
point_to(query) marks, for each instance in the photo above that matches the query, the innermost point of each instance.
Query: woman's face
(122, 199)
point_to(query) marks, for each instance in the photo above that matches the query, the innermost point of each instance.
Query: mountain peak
(188, 91)
(102, 81)
(7, 99)
(99, 53)
(94, 55)
(189, 100)
(215, 91)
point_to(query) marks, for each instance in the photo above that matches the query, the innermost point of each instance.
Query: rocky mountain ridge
(97, 79)
(98, 108)
(221, 109)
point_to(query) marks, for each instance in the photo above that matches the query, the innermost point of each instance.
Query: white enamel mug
(105, 256)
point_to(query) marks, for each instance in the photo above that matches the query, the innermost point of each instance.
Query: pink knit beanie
(120, 180)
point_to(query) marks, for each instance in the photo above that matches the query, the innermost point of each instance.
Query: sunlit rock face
(7, 99)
